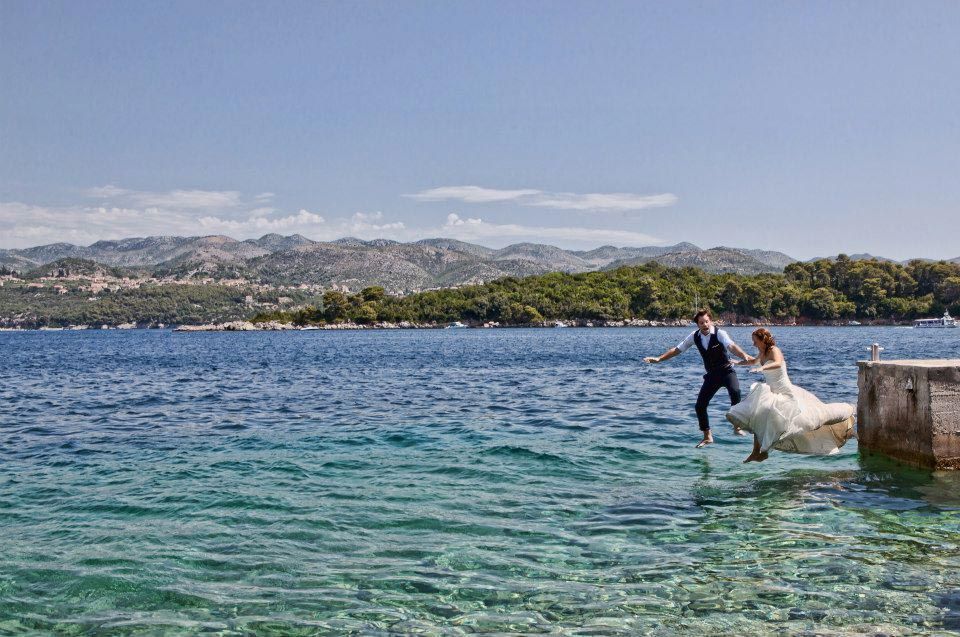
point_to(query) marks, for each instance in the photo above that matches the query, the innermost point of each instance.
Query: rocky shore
(272, 326)
(276, 326)
(237, 326)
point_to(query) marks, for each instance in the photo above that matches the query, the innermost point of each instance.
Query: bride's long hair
(765, 337)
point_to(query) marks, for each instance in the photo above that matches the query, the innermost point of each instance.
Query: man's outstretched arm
(733, 347)
(667, 355)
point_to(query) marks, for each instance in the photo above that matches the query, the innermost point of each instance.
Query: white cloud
(23, 225)
(614, 201)
(105, 192)
(470, 194)
(454, 220)
(124, 214)
(189, 199)
(366, 224)
(475, 229)
(600, 202)
(174, 199)
(302, 219)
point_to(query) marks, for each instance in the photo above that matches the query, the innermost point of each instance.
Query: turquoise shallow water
(446, 482)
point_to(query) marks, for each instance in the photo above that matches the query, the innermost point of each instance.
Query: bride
(786, 417)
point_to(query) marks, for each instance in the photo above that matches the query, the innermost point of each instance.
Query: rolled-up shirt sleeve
(724, 339)
(685, 344)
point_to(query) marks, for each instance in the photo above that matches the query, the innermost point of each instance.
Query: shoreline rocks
(237, 326)
(275, 326)
(270, 326)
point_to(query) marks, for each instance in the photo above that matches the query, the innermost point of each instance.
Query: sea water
(447, 482)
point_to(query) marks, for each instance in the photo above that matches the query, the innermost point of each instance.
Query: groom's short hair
(703, 312)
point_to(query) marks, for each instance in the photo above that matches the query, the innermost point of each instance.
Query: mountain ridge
(399, 267)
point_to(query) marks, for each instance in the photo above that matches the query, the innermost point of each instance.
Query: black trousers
(712, 382)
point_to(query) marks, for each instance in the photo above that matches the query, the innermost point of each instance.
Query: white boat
(456, 325)
(944, 321)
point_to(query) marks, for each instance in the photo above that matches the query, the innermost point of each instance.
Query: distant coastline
(274, 326)
(833, 292)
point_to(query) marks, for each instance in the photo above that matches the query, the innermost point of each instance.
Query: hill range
(355, 263)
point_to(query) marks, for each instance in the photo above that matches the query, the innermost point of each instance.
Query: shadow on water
(876, 483)
(883, 483)
(889, 532)
(759, 550)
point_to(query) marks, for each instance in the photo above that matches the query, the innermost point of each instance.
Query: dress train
(789, 418)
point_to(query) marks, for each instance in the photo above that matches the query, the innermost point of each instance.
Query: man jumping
(713, 344)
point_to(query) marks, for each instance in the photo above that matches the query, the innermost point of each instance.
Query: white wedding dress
(789, 418)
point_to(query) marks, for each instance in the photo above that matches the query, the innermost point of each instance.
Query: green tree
(755, 300)
(336, 306)
(821, 304)
(730, 296)
(949, 290)
(373, 294)
(365, 314)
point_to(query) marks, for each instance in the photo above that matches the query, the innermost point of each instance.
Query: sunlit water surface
(446, 482)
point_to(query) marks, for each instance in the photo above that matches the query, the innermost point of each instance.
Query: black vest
(715, 357)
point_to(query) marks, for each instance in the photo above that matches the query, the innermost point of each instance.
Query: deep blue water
(446, 482)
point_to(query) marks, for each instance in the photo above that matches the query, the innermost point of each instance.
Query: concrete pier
(910, 410)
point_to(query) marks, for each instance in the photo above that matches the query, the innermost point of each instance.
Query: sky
(812, 128)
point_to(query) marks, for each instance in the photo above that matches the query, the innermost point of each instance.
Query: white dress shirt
(722, 336)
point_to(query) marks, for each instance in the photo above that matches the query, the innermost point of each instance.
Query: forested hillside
(823, 290)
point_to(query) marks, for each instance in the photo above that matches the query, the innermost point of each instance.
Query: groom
(712, 344)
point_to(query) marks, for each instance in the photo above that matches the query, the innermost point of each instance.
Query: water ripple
(499, 482)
